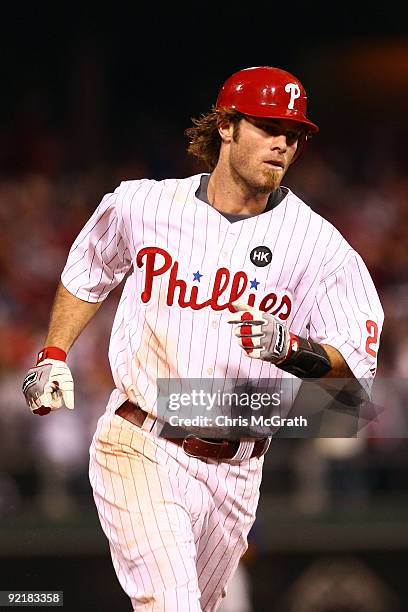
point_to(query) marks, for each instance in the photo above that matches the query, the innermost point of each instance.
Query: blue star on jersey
(254, 284)
(197, 276)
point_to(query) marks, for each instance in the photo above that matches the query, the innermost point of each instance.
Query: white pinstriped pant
(177, 526)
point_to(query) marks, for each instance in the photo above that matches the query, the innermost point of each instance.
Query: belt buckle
(189, 437)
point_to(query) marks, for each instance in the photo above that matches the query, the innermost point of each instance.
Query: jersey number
(372, 339)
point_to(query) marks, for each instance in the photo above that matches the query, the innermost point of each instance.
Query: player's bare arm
(69, 317)
(49, 384)
(339, 367)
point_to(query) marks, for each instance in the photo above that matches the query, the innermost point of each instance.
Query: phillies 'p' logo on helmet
(294, 90)
(264, 91)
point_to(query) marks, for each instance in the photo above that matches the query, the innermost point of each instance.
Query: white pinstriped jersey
(189, 263)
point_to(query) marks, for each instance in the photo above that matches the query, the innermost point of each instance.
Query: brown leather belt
(196, 447)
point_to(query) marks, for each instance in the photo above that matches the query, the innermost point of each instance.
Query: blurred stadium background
(90, 100)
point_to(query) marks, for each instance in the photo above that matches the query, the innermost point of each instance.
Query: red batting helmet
(264, 91)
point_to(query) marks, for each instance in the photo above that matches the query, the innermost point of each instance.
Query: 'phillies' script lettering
(224, 286)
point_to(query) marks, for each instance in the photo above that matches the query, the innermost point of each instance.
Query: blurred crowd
(43, 205)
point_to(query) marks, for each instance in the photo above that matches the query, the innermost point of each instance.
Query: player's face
(261, 151)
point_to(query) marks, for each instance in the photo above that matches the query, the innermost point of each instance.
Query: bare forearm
(69, 316)
(340, 368)
(340, 381)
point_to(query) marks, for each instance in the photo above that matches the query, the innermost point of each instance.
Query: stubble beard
(266, 183)
(272, 180)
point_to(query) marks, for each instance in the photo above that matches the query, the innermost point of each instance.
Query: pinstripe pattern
(312, 264)
(177, 526)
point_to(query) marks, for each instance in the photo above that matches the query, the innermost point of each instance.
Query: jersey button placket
(228, 243)
(213, 331)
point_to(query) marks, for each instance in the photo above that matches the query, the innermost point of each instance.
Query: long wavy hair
(204, 138)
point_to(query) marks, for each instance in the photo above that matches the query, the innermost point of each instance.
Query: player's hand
(260, 334)
(49, 386)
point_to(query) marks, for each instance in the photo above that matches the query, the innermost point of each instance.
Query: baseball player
(229, 276)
